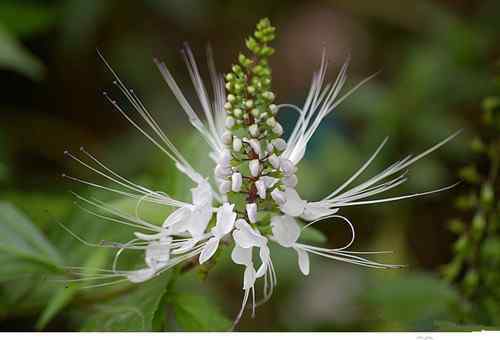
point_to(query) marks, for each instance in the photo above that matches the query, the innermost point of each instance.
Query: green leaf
(21, 241)
(64, 295)
(23, 19)
(134, 311)
(198, 313)
(15, 57)
(311, 234)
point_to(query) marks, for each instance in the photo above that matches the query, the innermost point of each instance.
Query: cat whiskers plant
(250, 200)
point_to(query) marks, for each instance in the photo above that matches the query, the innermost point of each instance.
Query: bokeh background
(437, 62)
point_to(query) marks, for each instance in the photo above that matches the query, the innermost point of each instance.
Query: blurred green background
(436, 61)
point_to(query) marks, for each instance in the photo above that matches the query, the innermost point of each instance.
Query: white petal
(290, 181)
(202, 194)
(274, 160)
(225, 187)
(225, 220)
(157, 254)
(287, 166)
(247, 237)
(241, 256)
(222, 171)
(209, 250)
(285, 229)
(303, 260)
(141, 275)
(313, 212)
(278, 196)
(249, 277)
(294, 205)
(269, 181)
(225, 158)
(264, 258)
(178, 217)
(198, 222)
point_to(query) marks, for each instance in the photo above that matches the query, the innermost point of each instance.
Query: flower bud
(252, 212)
(271, 121)
(230, 122)
(255, 145)
(278, 196)
(236, 181)
(231, 98)
(237, 145)
(227, 106)
(274, 160)
(273, 108)
(268, 95)
(254, 167)
(278, 129)
(249, 103)
(237, 112)
(261, 188)
(255, 112)
(254, 130)
(225, 187)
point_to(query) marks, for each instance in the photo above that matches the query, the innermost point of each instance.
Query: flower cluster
(251, 199)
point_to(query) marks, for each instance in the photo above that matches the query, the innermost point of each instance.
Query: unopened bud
(255, 145)
(271, 122)
(273, 108)
(254, 130)
(261, 188)
(237, 145)
(278, 129)
(287, 166)
(249, 103)
(236, 181)
(252, 212)
(237, 112)
(254, 167)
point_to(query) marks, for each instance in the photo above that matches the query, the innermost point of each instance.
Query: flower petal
(199, 219)
(303, 260)
(294, 205)
(241, 255)
(209, 250)
(286, 231)
(225, 220)
(313, 212)
(249, 277)
(202, 194)
(157, 254)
